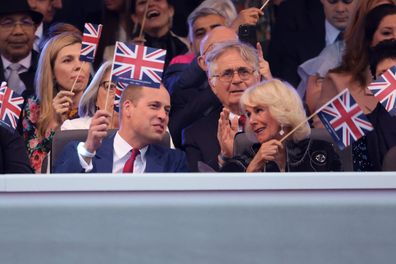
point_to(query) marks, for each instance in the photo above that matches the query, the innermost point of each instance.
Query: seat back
(389, 163)
(243, 142)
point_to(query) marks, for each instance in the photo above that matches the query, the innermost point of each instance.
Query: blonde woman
(273, 110)
(59, 68)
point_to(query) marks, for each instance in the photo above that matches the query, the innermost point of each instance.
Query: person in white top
(94, 98)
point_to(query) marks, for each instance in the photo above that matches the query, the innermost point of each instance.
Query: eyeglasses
(106, 85)
(9, 24)
(332, 2)
(243, 73)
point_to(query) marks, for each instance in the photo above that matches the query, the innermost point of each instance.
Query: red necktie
(128, 167)
(242, 122)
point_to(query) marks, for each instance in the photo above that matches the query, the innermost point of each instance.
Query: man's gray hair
(198, 13)
(247, 52)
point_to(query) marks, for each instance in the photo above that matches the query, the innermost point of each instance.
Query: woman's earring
(281, 131)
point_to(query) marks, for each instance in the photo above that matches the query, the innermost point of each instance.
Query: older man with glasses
(232, 67)
(18, 62)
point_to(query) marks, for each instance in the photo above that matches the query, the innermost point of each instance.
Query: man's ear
(202, 63)
(171, 11)
(127, 108)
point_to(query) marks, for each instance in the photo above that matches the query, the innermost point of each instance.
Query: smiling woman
(274, 109)
(157, 27)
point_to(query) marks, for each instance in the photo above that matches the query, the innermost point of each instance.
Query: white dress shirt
(331, 33)
(121, 153)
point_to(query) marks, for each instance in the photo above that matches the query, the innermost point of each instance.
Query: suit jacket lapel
(154, 161)
(104, 155)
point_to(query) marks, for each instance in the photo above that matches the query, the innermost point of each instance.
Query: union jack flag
(384, 89)
(117, 95)
(11, 105)
(90, 41)
(139, 65)
(344, 119)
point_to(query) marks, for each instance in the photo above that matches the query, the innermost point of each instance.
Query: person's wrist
(83, 151)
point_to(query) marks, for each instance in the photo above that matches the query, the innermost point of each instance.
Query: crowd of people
(214, 86)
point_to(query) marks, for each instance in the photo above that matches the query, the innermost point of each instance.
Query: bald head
(217, 35)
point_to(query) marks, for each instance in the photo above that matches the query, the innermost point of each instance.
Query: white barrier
(198, 218)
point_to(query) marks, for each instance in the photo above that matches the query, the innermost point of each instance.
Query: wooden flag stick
(264, 5)
(143, 21)
(75, 80)
(306, 120)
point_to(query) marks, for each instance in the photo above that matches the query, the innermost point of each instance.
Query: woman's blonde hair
(45, 82)
(282, 102)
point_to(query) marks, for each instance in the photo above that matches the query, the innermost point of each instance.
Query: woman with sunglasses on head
(365, 32)
(94, 98)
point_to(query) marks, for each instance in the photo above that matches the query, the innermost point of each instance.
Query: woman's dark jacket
(305, 155)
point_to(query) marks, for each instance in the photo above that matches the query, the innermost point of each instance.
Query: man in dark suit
(13, 155)
(144, 118)
(18, 62)
(232, 68)
(303, 28)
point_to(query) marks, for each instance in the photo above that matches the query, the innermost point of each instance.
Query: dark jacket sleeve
(13, 152)
(183, 76)
(68, 162)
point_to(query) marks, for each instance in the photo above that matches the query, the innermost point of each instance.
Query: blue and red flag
(117, 95)
(10, 105)
(384, 89)
(138, 65)
(344, 119)
(90, 41)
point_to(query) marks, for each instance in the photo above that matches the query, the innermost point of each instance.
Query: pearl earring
(281, 131)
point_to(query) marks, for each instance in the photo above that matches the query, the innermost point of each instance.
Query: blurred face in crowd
(45, 7)
(339, 12)
(114, 5)
(16, 36)
(102, 92)
(158, 17)
(230, 76)
(263, 125)
(145, 121)
(202, 26)
(217, 35)
(384, 65)
(67, 66)
(386, 30)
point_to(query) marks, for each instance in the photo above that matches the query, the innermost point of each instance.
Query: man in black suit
(232, 68)
(302, 30)
(18, 62)
(13, 155)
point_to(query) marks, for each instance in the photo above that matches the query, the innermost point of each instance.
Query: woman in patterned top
(59, 68)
